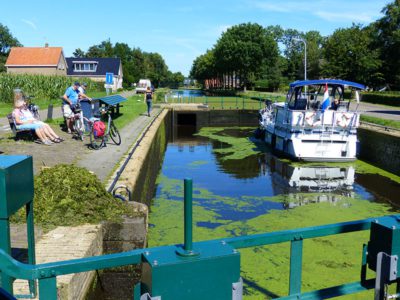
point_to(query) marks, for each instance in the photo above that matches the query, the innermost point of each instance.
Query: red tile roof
(34, 56)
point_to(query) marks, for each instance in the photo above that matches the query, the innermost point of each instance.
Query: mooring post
(188, 214)
(187, 249)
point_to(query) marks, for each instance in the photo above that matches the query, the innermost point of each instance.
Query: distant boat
(315, 123)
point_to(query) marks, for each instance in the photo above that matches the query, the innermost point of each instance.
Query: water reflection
(305, 178)
(208, 163)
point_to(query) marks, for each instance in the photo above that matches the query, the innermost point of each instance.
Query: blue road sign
(109, 78)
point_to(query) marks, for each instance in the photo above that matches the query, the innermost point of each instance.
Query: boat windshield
(311, 96)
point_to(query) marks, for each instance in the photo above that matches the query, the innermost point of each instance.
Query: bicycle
(96, 142)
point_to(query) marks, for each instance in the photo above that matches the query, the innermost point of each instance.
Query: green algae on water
(327, 261)
(237, 146)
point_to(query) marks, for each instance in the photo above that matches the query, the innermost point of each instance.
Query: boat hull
(334, 147)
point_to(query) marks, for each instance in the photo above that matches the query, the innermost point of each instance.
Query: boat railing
(318, 119)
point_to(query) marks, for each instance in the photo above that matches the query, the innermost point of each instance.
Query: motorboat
(315, 122)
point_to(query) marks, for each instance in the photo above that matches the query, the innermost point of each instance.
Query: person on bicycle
(148, 98)
(70, 99)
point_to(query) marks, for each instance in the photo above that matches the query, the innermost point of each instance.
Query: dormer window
(85, 66)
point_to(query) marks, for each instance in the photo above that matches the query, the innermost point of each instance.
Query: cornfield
(40, 86)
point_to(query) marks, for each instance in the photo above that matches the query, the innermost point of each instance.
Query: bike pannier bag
(99, 128)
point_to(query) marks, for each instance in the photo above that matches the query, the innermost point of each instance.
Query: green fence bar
(48, 288)
(296, 259)
(188, 227)
(31, 243)
(5, 243)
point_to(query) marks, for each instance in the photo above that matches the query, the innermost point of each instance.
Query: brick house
(36, 60)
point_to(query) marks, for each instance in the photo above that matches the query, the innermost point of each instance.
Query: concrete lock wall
(381, 149)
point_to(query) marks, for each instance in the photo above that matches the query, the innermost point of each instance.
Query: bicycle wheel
(114, 134)
(96, 142)
(79, 129)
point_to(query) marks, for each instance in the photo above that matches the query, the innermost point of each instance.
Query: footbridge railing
(195, 270)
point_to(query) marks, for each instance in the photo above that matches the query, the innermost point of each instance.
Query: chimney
(46, 45)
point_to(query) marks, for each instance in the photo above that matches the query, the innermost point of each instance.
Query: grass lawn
(132, 108)
(379, 121)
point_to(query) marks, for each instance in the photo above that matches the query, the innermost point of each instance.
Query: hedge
(381, 98)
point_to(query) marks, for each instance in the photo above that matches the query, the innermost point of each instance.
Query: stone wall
(380, 149)
(219, 117)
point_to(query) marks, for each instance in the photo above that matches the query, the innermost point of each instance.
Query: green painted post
(48, 288)
(188, 192)
(236, 98)
(5, 244)
(222, 102)
(243, 103)
(31, 243)
(296, 258)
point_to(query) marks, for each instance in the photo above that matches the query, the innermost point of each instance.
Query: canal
(241, 188)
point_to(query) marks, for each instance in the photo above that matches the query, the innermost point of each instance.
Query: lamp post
(305, 55)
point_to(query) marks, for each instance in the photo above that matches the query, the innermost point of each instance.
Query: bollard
(50, 111)
(188, 214)
(188, 220)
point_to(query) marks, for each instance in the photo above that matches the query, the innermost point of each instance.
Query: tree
(243, 49)
(204, 67)
(314, 42)
(6, 42)
(104, 49)
(388, 41)
(156, 69)
(349, 55)
(79, 53)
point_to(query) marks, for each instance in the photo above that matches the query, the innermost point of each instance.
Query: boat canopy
(327, 81)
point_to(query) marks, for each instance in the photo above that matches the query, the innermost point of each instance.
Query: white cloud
(356, 11)
(30, 23)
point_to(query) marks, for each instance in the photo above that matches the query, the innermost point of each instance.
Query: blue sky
(178, 30)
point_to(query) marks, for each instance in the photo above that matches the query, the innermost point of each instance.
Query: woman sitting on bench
(24, 120)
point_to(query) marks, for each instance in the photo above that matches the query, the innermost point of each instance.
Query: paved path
(102, 162)
(377, 111)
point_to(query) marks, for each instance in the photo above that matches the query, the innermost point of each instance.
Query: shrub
(392, 99)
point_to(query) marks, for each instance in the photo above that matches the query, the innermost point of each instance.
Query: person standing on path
(148, 98)
(70, 99)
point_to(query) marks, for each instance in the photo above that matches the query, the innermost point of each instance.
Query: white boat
(309, 126)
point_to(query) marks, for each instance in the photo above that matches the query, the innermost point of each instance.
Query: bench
(113, 100)
(19, 133)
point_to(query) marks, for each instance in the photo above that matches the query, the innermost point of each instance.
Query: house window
(84, 66)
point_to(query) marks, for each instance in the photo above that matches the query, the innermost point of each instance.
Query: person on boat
(335, 104)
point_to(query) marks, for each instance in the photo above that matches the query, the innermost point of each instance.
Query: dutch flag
(327, 102)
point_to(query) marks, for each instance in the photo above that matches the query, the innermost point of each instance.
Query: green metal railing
(47, 273)
(225, 102)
